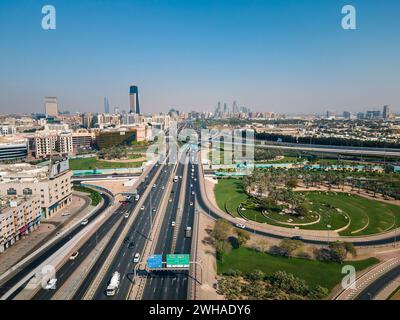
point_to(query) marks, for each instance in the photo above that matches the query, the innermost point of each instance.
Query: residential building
(19, 215)
(52, 183)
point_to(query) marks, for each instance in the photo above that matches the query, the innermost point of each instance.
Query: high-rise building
(235, 107)
(106, 106)
(387, 112)
(134, 99)
(51, 106)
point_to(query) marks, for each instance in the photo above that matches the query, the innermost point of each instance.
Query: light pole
(329, 229)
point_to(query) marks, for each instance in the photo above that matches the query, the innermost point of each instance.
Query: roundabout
(343, 213)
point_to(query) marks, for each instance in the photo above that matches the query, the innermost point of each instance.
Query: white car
(136, 257)
(66, 213)
(241, 226)
(191, 204)
(173, 224)
(192, 192)
(84, 222)
(51, 284)
(142, 208)
(74, 255)
(170, 200)
(126, 215)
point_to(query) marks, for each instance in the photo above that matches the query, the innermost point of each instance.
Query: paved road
(135, 241)
(45, 254)
(374, 288)
(173, 285)
(116, 218)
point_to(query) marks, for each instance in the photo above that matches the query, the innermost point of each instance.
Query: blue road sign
(154, 261)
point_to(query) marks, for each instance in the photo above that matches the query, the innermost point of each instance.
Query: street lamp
(329, 228)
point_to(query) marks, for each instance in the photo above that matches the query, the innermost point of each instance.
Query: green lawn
(367, 216)
(94, 195)
(314, 272)
(93, 163)
(376, 216)
(229, 192)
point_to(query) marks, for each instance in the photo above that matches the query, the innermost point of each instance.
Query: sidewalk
(206, 255)
(43, 233)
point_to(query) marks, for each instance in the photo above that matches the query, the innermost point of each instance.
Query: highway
(374, 288)
(46, 253)
(135, 241)
(173, 285)
(117, 217)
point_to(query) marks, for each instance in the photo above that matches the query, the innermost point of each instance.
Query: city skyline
(287, 60)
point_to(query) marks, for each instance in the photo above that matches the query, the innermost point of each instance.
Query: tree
(242, 236)
(222, 229)
(288, 246)
(222, 248)
(292, 183)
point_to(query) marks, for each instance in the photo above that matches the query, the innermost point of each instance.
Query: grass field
(93, 163)
(314, 272)
(366, 216)
(230, 192)
(94, 195)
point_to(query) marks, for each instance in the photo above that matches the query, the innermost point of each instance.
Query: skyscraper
(106, 105)
(51, 106)
(387, 112)
(134, 99)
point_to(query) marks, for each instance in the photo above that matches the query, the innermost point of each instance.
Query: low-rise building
(13, 148)
(52, 183)
(18, 217)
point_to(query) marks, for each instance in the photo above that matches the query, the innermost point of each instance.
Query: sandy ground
(206, 254)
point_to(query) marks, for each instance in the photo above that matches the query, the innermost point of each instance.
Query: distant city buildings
(51, 107)
(134, 100)
(106, 106)
(387, 112)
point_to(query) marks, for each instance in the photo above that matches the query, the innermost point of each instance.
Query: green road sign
(178, 260)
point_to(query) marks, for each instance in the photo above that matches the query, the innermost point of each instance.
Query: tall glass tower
(134, 99)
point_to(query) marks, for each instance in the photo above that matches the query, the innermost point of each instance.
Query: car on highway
(126, 215)
(154, 209)
(173, 224)
(51, 284)
(142, 208)
(154, 186)
(66, 213)
(241, 226)
(136, 258)
(74, 255)
(162, 187)
(192, 192)
(170, 200)
(297, 238)
(131, 245)
(84, 222)
(191, 204)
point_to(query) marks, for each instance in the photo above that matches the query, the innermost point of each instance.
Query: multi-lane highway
(379, 284)
(173, 285)
(135, 240)
(117, 217)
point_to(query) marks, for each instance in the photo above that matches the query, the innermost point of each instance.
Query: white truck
(188, 232)
(176, 179)
(113, 284)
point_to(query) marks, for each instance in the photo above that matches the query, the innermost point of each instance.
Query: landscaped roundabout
(343, 210)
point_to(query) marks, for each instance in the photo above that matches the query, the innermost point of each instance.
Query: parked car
(66, 213)
(241, 226)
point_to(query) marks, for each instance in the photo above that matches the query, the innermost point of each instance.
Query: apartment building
(48, 143)
(18, 217)
(52, 183)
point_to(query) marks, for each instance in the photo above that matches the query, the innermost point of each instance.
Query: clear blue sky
(270, 55)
